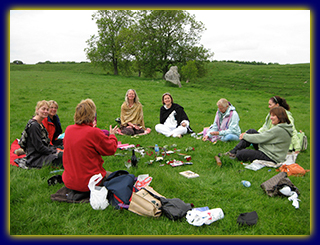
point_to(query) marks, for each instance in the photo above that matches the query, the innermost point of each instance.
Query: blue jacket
(224, 124)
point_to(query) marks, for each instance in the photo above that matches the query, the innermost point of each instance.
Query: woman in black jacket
(173, 119)
(38, 149)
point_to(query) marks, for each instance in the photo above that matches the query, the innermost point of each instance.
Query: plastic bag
(198, 218)
(98, 194)
(293, 196)
(293, 169)
(143, 180)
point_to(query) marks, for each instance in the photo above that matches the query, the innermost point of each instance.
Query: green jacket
(274, 142)
(295, 143)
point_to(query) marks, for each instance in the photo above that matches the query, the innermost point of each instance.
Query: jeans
(229, 137)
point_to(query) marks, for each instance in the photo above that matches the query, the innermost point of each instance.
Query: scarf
(180, 116)
(133, 114)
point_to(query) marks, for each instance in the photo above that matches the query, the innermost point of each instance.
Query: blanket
(14, 146)
(66, 195)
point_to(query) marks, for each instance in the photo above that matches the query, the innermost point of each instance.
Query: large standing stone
(173, 76)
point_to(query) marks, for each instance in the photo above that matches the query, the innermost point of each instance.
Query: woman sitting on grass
(173, 119)
(226, 124)
(271, 145)
(132, 122)
(53, 125)
(83, 147)
(278, 101)
(38, 149)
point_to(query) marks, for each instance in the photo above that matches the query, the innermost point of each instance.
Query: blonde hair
(223, 102)
(50, 102)
(40, 104)
(136, 98)
(85, 112)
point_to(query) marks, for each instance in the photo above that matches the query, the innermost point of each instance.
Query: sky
(276, 36)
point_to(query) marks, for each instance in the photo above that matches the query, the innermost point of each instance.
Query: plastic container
(246, 183)
(156, 149)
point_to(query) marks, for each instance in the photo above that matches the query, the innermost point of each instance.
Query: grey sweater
(274, 142)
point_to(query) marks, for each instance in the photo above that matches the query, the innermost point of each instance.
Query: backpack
(303, 140)
(120, 186)
(144, 203)
(24, 136)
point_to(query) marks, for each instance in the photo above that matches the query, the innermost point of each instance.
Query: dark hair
(168, 95)
(281, 114)
(281, 101)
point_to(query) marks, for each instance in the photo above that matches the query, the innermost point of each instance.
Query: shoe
(118, 120)
(230, 155)
(19, 152)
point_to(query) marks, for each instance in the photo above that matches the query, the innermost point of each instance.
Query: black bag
(248, 218)
(174, 208)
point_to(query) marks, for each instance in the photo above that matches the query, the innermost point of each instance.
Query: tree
(17, 62)
(106, 48)
(190, 70)
(166, 38)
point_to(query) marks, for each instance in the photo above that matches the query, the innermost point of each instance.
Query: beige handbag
(143, 203)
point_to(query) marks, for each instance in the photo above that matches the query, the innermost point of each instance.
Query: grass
(248, 87)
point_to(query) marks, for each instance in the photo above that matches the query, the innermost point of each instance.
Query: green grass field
(247, 87)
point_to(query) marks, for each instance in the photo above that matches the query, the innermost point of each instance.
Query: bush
(17, 62)
(189, 71)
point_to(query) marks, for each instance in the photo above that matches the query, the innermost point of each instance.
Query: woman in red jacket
(83, 147)
(53, 125)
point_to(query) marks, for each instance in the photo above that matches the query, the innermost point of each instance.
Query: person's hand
(113, 130)
(94, 124)
(241, 136)
(204, 138)
(183, 124)
(214, 133)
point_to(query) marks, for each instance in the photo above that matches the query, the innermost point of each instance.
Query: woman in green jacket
(278, 101)
(271, 145)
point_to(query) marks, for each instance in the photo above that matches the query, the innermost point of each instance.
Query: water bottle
(246, 183)
(156, 149)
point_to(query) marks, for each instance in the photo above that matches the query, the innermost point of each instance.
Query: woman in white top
(173, 119)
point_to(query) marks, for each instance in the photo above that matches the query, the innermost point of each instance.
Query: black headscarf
(180, 114)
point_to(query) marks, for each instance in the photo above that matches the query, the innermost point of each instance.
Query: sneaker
(230, 155)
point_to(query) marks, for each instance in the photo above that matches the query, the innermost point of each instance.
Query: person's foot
(230, 155)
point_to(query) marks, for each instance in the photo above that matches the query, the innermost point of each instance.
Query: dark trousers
(131, 131)
(244, 154)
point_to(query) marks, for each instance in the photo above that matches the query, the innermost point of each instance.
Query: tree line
(148, 42)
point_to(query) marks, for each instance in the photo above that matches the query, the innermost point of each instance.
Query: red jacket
(83, 147)
(50, 128)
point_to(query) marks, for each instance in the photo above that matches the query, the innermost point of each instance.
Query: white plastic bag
(98, 194)
(293, 196)
(198, 218)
